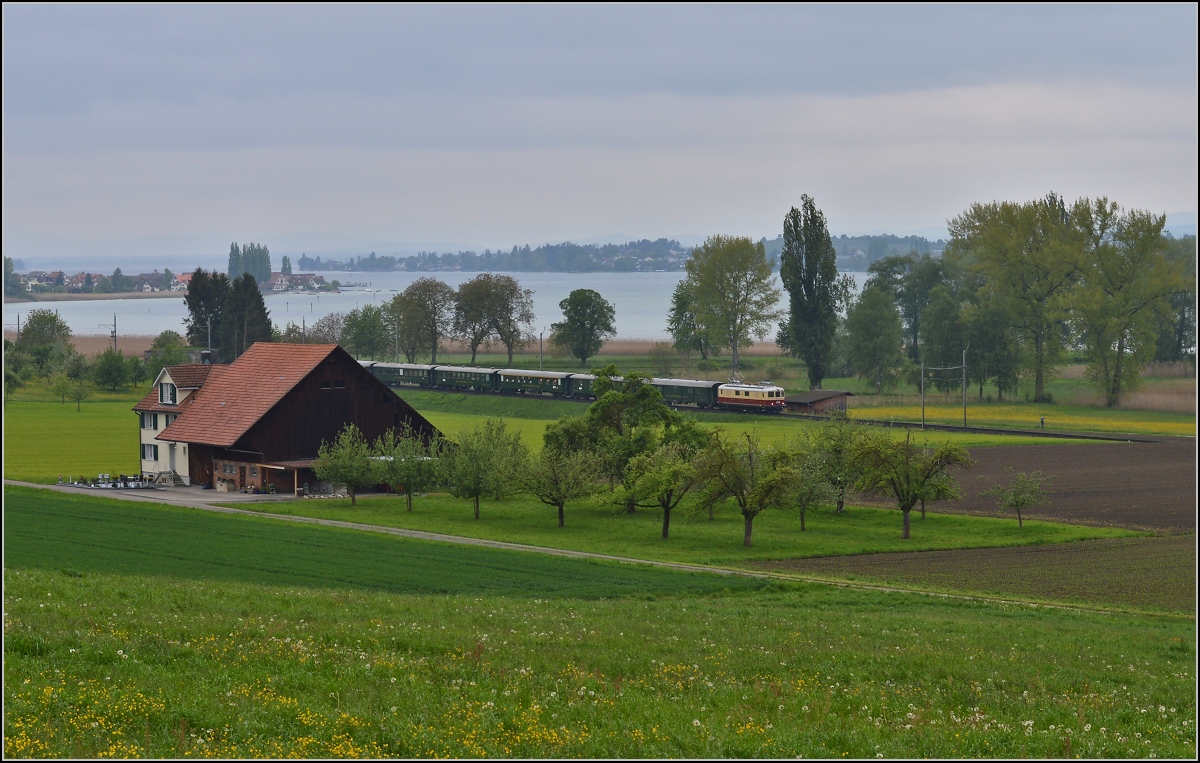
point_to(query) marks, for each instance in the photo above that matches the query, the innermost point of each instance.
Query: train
(763, 397)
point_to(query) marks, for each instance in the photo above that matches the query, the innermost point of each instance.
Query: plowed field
(1148, 485)
(1158, 572)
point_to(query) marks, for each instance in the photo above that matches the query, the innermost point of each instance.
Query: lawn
(602, 528)
(122, 665)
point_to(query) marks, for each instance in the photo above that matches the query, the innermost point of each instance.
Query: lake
(642, 301)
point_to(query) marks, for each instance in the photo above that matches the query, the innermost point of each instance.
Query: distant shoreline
(61, 297)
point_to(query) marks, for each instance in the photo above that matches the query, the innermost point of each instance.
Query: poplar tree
(808, 267)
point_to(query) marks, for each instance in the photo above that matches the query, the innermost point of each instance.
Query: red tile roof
(232, 401)
(189, 375)
(150, 403)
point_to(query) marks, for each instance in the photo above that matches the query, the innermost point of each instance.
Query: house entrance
(241, 476)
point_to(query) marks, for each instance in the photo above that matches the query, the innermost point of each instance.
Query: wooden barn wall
(309, 414)
(200, 464)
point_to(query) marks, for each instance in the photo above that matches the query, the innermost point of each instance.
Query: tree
(1177, 337)
(734, 292)
(406, 322)
(285, 266)
(745, 473)
(808, 267)
(684, 321)
(910, 278)
(993, 352)
(12, 282)
(244, 317)
(205, 299)
(875, 337)
(661, 478)
(347, 461)
(430, 306)
(60, 386)
(81, 390)
(136, 370)
(111, 370)
(407, 460)
(944, 337)
(42, 330)
(472, 311)
(1024, 491)
(511, 313)
(167, 278)
(485, 461)
(626, 416)
(236, 267)
(1124, 297)
(910, 472)
(838, 445)
(588, 319)
(120, 281)
(327, 330)
(555, 477)
(365, 332)
(802, 476)
(1028, 255)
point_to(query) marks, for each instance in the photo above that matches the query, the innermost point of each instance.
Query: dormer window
(166, 393)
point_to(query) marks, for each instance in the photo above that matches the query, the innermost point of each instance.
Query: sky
(169, 131)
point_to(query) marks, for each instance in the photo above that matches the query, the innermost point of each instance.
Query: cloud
(513, 124)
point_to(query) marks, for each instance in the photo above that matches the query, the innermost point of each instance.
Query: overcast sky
(325, 127)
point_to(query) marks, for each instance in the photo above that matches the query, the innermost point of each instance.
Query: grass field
(44, 439)
(85, 533)
(1140, 573)
(607, 529)
(162, 644)
(1069, 418)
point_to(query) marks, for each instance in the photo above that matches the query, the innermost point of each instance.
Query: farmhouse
(258, 422)
(817, 401)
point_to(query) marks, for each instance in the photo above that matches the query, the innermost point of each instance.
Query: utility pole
(922, 394)
(543, 331)
(964, 384)
(114, 332)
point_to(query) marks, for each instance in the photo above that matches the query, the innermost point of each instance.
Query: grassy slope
(86, 533)
(607, 529)
(143, 665)
(1069, 418)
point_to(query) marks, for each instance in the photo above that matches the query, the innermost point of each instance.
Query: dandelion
(1087, 727)
(695, 721)
(393, 679)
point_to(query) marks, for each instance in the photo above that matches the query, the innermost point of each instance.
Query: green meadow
(45, 439)
(134, 630)
(604, 528)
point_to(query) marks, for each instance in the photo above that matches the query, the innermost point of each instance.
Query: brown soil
(1157, 572)
(94, 344)
(1136, 485)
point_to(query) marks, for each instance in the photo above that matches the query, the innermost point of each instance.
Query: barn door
(241, 477)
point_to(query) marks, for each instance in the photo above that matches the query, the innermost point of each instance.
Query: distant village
(59, 282)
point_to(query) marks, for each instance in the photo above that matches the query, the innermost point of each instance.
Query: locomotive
(764, 397)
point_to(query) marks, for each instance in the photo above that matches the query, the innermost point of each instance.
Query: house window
(149, 421)
(166, 393)
(326, 385)
(253, 471)
(339, 384)
(150, 452)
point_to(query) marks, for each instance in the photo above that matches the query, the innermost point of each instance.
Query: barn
(817, 401)
(258, 422)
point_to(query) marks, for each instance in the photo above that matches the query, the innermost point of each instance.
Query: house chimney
(206, 357)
